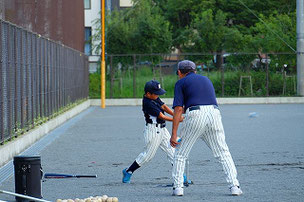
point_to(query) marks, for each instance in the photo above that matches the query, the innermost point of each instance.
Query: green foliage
(212, 35)
(180, 15)
(123, 88)
(94, 85)
(274, 35)
(209, 26)
(138, 30)
(212, 27)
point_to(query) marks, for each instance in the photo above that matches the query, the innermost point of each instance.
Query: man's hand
(173, 141)
(177, 117)
(181, 119)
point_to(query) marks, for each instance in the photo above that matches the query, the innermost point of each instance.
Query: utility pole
(103, 62)
(300, 47)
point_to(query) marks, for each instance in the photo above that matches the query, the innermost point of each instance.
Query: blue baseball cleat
(186, 181)
(126, 176)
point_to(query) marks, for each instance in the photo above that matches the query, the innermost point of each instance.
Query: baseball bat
(59, 176)
(188, 172)
(23, 196)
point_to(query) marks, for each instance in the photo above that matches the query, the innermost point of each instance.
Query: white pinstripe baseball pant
(204, 123)
(154, 138)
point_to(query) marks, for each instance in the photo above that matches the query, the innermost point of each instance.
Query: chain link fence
(38, 78)
(232, 74)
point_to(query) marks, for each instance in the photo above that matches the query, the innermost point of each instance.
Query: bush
(123, 85)
(94, 86)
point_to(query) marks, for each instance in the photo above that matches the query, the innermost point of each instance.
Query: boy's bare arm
(164, 117)
(167, 109)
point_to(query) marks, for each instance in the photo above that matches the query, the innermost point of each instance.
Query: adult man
(194, 94)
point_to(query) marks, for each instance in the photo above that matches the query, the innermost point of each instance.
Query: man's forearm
(176, 119)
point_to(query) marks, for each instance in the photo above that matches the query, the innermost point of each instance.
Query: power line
(267, 26)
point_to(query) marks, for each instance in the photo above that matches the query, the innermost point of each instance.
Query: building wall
(125, 3)
(59, 20)
(91, 15)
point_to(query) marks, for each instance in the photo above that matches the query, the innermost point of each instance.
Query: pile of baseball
(103, 198)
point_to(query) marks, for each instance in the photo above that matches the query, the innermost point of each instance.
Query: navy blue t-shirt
(151, 109)
(192, 90)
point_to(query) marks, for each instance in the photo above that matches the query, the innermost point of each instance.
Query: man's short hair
(185, 71)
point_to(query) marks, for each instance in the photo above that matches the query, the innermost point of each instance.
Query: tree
(211, 34)
(154, 26)
(151, 33)
(275, 35)
(140, 29)
(240, 14)
(180, 14)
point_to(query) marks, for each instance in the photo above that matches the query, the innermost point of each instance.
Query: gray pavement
(268, 151)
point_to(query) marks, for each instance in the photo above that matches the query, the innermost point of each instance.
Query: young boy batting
(155, 133)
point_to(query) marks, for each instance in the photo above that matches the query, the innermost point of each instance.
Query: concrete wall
(169, 101)
(12, 148)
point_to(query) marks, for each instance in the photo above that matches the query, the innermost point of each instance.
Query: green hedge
(123, 85)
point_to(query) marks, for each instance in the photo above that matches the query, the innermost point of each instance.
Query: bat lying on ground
(23, 196)
(59, 176)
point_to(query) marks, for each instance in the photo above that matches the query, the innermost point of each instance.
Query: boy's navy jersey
(151, 109)
(194, 90)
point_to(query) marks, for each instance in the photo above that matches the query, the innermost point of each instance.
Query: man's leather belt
(199, 107)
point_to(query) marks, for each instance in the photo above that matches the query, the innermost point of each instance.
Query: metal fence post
(64, 76)
(56, 78)
(4, 80)
(40, 78)
(9, 81)
(51, 78)
(21, 79)
(16, 78)
(45, 79)
(25, 75)
(60, 75)
(112, 76)
(1, 95)
(28, 82)
(134, 76)
(48, 79)
(32, 70)
(222, 75)
(36, 78)
(300, 48)
(267, 76)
